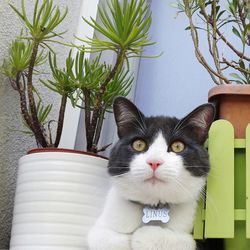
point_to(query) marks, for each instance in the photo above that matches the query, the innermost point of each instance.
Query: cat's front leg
(113, 229)
(158, 238)
(106, 239)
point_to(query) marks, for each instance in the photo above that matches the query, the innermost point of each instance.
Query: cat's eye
(139, 145)
(177, 146)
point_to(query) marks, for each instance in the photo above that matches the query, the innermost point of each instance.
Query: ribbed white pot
(58, 197)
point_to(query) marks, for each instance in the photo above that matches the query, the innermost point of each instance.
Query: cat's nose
(154, 164)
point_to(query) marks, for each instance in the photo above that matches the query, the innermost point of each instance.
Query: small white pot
(58, 197)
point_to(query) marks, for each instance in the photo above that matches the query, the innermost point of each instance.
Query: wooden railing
(224, 212)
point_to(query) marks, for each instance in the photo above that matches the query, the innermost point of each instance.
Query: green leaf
(220, 14)
(237, 33)
(46, 18)
(246, 31)
(238, 78)
(123, 26)
(242, 64)
(64, 78)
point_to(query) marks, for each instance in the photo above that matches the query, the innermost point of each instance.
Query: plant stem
(198, 53)
(23, 102)
(223, 38)
(87, 110)
(32, 106)
(215, 53)
(238, 53)
(60, 120)
(245, 71)
(99, 128)
(98, 104)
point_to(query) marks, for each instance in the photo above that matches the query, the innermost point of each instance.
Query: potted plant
(226, 28)
(59, 192)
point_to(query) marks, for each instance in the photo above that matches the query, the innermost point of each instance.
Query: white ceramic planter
(58, 197)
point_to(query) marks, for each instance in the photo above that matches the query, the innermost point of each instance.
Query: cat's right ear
(127, 116)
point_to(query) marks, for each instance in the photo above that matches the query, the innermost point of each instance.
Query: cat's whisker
(118, 163)
(183, 187)
(119, 167)
(205, 172)
(134, 175)
(203, 196)
(119, 175)
(215, 176)
(208, 199)
(169, 174)
(213, 209)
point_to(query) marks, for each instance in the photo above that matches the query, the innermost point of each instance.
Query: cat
(156, 161)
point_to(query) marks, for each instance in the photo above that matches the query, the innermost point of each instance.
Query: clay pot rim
(228, 89)
(63, 150)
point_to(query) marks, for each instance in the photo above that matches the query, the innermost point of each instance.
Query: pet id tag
(155, 214)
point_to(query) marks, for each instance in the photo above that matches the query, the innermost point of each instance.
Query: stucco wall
(15, 144)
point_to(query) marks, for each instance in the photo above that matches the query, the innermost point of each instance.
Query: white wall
(14, 144)
(175, 83)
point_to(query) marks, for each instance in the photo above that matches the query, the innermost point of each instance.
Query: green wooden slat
(240, 214)
(199, 221)
(220, 185)
(239, 143)
(248, 181)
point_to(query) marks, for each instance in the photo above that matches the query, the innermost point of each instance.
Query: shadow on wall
(13, 145)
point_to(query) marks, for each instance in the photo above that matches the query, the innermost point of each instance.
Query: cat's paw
(147, 237)
(157, 238)
(106, 239)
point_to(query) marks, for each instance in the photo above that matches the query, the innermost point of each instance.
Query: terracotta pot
(59, 195)
(233, 104)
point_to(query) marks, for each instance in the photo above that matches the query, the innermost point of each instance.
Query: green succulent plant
(123, 28)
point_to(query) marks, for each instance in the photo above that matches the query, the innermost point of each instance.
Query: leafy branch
(25, 54)
(210, 16)
(125, 30)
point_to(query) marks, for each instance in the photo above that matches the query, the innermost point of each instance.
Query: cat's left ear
(127, 116)
(198, 122)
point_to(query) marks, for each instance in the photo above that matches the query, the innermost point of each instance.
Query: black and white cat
(157, 161)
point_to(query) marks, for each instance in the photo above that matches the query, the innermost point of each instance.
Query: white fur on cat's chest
(124, 216)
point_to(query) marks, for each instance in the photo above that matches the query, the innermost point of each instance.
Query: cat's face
(159, 159)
